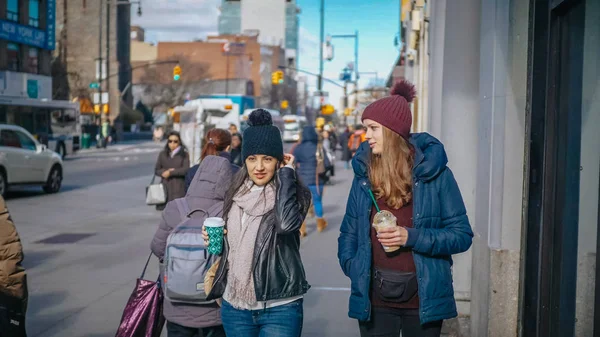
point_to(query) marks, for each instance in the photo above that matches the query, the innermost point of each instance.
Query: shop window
(13, 56)
(25, 118)
(33, 60)
(34, 13)
(12, 10)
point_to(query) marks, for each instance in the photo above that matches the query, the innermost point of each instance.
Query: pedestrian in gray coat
(208, 187)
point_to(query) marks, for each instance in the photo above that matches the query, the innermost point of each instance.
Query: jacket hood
(211, 180)
(430, 157)
(309, 134)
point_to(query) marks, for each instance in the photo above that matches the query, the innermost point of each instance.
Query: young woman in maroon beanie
(406, 286)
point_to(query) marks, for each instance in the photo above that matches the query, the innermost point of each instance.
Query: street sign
(94, 85)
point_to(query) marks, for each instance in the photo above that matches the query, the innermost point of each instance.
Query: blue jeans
(317, 199)
(281, 321)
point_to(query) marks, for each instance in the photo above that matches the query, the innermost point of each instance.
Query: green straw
(374, 201)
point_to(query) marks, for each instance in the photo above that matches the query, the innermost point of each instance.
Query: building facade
(233, 65)
(88, 31)
(276, 23)
(512, 88)
(26, 44)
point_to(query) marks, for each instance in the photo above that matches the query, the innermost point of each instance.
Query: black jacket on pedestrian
(236, 156)
(346, 153)
(278, 271)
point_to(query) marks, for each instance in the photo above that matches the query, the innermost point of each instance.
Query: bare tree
(161, 90)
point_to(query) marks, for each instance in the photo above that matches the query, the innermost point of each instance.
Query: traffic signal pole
(99, 77)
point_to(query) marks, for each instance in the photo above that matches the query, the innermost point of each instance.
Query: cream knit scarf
(242, 229)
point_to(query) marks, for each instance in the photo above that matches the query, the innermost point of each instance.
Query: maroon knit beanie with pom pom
(393, 111)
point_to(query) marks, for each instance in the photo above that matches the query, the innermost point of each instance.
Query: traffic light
(327, 109)
(277, 77)
(285, 104)
(176, 73)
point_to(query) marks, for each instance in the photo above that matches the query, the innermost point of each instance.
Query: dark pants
(389, 322)
(176, 330)
(281, 321)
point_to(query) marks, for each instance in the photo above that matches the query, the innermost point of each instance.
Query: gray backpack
(186, 259)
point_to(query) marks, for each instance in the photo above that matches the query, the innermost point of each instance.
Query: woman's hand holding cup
(392, 236)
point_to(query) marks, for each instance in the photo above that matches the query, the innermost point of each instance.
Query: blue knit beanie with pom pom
(261, 136)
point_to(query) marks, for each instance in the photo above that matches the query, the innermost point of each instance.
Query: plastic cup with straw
(383, 219)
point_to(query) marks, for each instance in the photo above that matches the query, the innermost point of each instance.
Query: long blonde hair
(390, 172)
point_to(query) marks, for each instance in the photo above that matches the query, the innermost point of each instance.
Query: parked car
(24, 161)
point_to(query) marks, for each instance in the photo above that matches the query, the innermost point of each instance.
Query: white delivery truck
(198, 116)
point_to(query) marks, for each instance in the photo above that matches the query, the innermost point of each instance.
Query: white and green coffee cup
(215, 228)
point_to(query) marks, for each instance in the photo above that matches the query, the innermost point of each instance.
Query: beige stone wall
(81, 46)
(143, 52)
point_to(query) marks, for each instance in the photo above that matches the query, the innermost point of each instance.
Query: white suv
(24, 161)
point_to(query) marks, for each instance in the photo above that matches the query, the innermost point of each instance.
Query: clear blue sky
(377, 23)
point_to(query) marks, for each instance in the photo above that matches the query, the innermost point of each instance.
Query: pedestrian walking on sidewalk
(400, 271)
(13, 280)
(356, 139)
(346, 154)
(207, 189)
(217, 142)
(236, 149)
(172, 164)
(263, 281)
(308, 154)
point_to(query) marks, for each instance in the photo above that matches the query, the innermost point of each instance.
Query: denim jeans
(176, 330)
(281, 321)
(317, 199)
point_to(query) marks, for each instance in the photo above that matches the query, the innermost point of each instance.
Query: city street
(85, 246)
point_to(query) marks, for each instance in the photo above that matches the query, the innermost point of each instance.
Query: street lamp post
(322, 40)
(355, 37)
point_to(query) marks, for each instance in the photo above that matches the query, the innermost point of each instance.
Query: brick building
(245, 71)
(81, 34)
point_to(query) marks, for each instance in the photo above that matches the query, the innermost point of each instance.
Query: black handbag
(395, 286)
(12, 317)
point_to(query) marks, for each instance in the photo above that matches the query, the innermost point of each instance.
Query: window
(9, 138)
(32, 59)
(25, 118)
(26, 142)
(34, 13)
(12, 10)
(14, 56)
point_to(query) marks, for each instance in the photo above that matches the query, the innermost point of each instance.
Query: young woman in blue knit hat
(262, 281)
(400, 274)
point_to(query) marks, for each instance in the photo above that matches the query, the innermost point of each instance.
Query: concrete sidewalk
(80, 288)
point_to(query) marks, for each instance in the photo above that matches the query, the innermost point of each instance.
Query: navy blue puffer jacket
(306, 157)
(441, 228)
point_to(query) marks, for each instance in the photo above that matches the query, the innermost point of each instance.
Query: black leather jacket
(278, 271)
